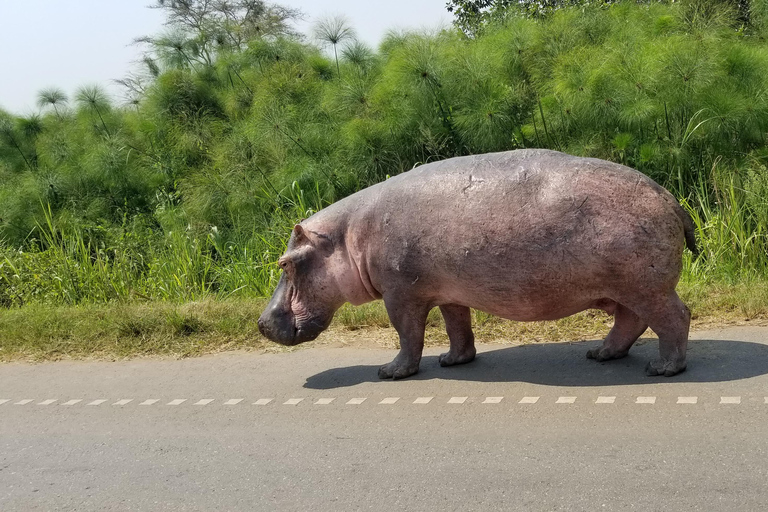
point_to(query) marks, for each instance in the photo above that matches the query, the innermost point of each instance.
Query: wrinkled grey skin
(524, 235)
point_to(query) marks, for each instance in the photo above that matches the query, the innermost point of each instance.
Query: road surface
(534, 427)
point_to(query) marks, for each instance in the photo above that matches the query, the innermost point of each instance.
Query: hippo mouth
(293, 333)
(308, 331)
(305, 326)
(287, 321)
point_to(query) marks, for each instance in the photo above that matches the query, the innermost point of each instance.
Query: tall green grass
(68, 269)
(731, 225)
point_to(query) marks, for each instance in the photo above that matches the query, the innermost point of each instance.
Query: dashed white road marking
(602, 399)
(766, 399)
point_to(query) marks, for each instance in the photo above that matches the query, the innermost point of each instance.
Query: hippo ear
(318, 240)
(298, 233)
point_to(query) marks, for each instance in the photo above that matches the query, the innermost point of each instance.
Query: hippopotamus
(525, 235)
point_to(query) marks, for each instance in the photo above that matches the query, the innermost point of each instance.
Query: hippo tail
(689, 228)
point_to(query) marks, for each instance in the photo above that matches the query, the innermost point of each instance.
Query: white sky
(70, 43)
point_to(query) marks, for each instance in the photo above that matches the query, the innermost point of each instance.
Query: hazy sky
(69, 43)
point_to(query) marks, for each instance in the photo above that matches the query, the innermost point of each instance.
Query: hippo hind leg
(409, 320)
(458, 324)
(627, 328)
(670, 319)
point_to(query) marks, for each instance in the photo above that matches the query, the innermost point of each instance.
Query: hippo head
(307, 294)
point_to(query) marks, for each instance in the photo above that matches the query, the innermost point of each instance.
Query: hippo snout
(278, 327)
(281, 328)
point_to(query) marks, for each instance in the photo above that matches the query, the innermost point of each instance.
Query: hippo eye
(283, 264)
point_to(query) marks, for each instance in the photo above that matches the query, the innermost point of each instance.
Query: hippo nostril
(261, 326)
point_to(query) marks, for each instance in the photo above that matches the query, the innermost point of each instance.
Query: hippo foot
(600, 354)
(398, 370)
(451, 358)
(664, 367)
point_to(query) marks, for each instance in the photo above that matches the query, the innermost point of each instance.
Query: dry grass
(119, 331)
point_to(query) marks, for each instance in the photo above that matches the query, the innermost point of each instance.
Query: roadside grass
(118, 331)
(165, 329)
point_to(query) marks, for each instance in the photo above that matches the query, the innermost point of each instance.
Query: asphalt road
(535, 427)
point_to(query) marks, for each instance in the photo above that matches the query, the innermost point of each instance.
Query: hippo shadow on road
(565, 364)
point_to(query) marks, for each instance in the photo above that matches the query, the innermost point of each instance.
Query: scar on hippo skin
(453, 234)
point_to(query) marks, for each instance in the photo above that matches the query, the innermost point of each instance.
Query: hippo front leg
(409, 320)
(458, 323)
